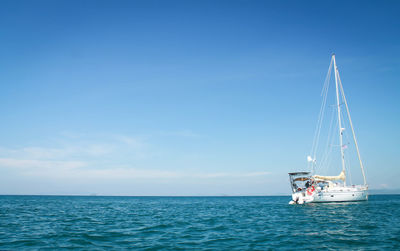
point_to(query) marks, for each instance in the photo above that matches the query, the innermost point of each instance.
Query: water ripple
(201, 223)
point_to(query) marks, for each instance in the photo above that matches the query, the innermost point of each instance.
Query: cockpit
(300, 181)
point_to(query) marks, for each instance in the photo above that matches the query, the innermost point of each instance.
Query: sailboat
(310, 187)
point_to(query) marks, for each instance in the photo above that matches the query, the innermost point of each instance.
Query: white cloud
(58, 153)
(74, 145)
(76, 169)
(134, 142)
(91, 160)
(40, 153)
(96, 149)
(40, 164)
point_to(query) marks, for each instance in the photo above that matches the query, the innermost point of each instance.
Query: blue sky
(188, 97)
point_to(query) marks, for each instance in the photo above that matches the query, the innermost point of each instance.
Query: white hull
(340, 196)
(335, 194)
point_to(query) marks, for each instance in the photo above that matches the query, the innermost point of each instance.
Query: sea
(196, 223)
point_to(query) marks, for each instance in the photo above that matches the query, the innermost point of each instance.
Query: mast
(339, 118)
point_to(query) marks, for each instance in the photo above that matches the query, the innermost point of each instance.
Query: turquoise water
(200, 223)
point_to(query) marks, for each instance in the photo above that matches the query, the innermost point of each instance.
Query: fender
(310, 190)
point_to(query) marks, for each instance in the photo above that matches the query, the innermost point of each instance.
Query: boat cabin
(300, 181)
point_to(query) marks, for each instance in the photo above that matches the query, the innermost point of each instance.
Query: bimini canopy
(299, 176)
(299, 173)
(301, 179)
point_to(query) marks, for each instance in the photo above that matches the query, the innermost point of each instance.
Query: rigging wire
(329, 142)
(324, 94)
